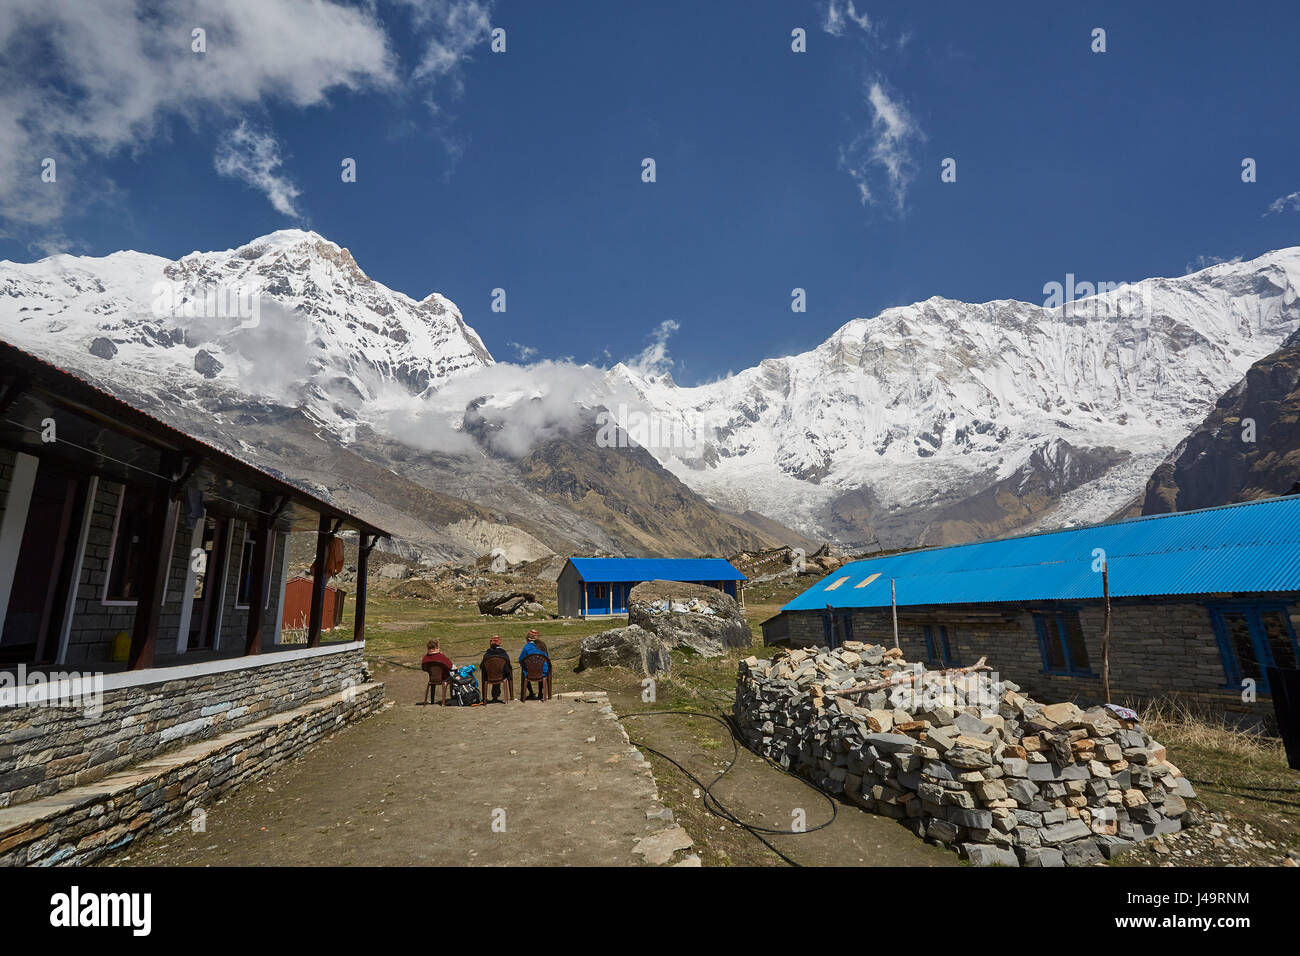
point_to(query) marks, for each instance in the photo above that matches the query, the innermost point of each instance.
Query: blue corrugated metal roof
(1251, 547)
(655, 569)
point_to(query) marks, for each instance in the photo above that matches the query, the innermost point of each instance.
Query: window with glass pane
(949, 648)
(1278, 637)
(1053, 650)
(1073, 640)
(1238, 629)
(135, 512)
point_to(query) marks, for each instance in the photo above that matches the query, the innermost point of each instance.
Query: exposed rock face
(395, 572)
(632, 647)
(1053, 469)
(103, 348)
(689, 615)
(206, 364)
(1248, 447)
(646, 508)
(501, 603)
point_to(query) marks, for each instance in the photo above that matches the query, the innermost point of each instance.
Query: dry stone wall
(44, 750)
(962, 756)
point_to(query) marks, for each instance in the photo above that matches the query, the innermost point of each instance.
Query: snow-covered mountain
(286, 353)
(288, 318)
(890, 424)
(935, 422)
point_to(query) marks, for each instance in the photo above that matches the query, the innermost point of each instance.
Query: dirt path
(420, 785)
(532, 784)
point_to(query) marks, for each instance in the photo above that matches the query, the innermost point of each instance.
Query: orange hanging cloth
(333, 559)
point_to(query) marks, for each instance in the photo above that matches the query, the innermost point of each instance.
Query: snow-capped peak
(928, 401)
(288, 317)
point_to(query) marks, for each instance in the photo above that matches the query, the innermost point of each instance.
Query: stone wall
(44, 749)
(105, 817)
(964, 758)
(1156, 650)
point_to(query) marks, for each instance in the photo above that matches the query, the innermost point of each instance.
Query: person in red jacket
(434, 655)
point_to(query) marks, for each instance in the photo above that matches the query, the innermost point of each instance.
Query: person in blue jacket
(535, 645)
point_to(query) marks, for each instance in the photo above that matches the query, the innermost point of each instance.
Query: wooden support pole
(893, 604)
(363, 563)
(1105, 634)
(261, 569)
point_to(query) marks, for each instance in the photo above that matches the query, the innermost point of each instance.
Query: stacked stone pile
(962, 756)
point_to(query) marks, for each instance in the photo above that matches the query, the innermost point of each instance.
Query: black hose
(716, 806)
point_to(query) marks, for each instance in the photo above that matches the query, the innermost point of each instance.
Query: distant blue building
(600, 586)
(1203, 603)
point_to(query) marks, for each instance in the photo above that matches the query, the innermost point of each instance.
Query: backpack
(463, 691)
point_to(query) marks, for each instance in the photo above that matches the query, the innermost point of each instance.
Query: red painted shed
(297, 605)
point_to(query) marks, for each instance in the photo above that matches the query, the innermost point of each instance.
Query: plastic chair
(534, 668)
(494, 674)
(439, 675)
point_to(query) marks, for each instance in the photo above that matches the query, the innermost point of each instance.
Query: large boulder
(632, 647)
(501, 603)
(689, 615)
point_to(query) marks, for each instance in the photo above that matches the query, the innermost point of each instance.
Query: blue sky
(775, 170)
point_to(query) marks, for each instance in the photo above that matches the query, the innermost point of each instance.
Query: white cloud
(1290, 201)
(455, 28)
(653, 359)
(880, 159)
(254, 157)
(883, 155)
(83, 80)
(839, 16)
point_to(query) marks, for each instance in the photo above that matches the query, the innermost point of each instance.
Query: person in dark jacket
(496, 650)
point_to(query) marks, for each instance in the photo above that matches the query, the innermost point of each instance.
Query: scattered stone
(658, 848)
(501, 603)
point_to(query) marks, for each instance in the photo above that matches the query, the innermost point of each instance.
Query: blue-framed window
(1252, 638)
(1061, 644)
(940, 649)
(836, 629)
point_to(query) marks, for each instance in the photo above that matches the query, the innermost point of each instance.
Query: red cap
(496, 639)
(534, 634)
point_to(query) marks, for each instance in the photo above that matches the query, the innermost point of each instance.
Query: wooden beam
(153, 571)
(323, 538)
